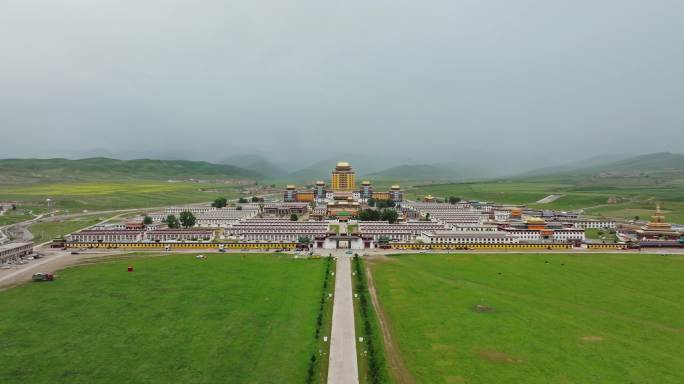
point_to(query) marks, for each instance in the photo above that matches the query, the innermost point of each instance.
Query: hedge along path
(398, 370)
(316, 372)
(375, 371)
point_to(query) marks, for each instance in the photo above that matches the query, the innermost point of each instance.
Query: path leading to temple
(343, 367)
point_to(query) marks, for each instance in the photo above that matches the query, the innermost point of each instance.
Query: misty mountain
(317, 171)
(594, 161)
(362, 164)
(105, 169)
(256, 163)
(654, 163)
(453, 171)
(422, 172)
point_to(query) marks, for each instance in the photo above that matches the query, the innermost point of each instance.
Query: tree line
(185, 220)
(325, 300)
(376, 364)
(222, 202)
(387, 214)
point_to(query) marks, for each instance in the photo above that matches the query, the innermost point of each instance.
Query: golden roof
(395, 187)
(343, 166)
(320, 182)
(290, 186)
(365, 182)
(657, 222)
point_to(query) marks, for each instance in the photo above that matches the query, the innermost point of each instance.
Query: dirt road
(397, 367)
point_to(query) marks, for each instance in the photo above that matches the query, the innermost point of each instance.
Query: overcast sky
(521, 81)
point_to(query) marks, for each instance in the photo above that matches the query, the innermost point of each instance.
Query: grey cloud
(532, 81)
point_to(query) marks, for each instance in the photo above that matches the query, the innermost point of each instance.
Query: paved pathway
(343, 368)
(549, 199)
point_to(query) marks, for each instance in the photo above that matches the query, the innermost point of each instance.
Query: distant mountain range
(654, 163)
(617, 165)
(105, 169)
(422, 172)
(257, 164)
(363, 164)
(454, 171)
(259, 168)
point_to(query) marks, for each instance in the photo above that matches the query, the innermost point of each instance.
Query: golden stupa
(657, 228)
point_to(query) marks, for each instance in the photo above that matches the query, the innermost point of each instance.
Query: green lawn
(234, 318)
(674, 211)
(369, 352)
(11, 217)
(499, 191)
(50, 229)
(115, 195)
(628, 197)
(601, 234)
(513, 318)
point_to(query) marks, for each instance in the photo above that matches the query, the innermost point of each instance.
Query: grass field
(244, 318)
(601, 234)
(610, 197)
(11, 217)
(500, 191)
(370, 356)
(51, 229)
(112, 196)
(513, 318)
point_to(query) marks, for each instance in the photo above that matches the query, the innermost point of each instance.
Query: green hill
(15, 171)
(654, 164)
(363, 164)
(256, 163)
(441, 172)
(317, 171)
(575, 165)
(416, 172)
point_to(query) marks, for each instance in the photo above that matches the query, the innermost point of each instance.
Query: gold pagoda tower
(343, 177)
(657, 228)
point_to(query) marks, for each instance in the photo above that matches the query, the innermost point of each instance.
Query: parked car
(43, 276)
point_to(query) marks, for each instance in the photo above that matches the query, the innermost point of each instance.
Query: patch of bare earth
(397, 367)
(483, 308)
(592, 339)
(499, 357)
(378, 257)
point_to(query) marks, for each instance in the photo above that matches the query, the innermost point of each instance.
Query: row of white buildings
(134, 235)
(469, 223)
(274, 229)
(440, 223)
